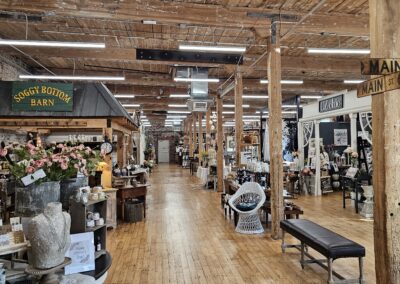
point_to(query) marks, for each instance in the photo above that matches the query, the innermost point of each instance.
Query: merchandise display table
(128, 192)
(204, 174)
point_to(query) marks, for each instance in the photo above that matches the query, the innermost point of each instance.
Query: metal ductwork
(199, 99)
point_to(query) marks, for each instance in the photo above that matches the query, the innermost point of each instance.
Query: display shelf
(99, 253)
(79, 212)
(95, 228)
(91, 202)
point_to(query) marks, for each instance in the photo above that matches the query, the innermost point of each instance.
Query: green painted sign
(34, 96)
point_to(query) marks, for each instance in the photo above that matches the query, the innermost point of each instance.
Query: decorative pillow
(246, 206)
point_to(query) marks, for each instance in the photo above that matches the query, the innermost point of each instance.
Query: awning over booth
(90, 100)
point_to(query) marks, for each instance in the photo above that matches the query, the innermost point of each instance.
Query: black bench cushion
(324, 241)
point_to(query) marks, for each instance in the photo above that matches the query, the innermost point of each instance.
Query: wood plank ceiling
(117, 23)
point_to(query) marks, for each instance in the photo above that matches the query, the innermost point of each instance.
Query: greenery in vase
(59, 162)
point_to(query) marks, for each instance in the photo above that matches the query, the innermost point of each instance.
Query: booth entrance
(330, 145)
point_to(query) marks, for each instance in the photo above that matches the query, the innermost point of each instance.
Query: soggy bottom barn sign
(33, 96)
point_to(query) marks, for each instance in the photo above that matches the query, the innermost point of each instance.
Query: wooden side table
(295, 211)
(124, 193)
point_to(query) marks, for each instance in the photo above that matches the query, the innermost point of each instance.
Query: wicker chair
(246, 202)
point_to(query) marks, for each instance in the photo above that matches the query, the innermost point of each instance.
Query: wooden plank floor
(186, 239)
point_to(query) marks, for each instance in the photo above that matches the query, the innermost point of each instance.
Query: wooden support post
(220, 146)
(384, 42)
(190, 128)
(275, 130)
(208, 128)
(200, 119)
(238, 115)
(194, 133)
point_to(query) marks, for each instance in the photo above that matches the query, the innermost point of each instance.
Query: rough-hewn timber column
(385, 43)
(201, 146)
(190, 128)
(238, 114)
(194, 132)
(208, 128)
(275, 130)
(220, 146)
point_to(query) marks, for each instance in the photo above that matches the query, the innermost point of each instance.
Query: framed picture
(340, 137)
(81, 252)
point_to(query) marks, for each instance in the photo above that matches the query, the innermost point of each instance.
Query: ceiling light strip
(294, 82)
(51, 43)
(233, 49)
(73, 78)
(338, 51)
(210, 80)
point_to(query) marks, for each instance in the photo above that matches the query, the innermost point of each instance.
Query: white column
(317, 160)
(353, 130)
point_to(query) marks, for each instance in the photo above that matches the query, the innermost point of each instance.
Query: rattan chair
(246, 202)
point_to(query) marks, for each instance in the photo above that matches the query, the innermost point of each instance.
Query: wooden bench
(324, 241)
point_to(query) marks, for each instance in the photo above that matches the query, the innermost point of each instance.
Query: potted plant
(38, 172)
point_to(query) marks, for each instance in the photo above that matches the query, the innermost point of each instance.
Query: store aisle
(186, 239)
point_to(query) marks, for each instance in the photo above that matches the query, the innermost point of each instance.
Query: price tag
(29, 179)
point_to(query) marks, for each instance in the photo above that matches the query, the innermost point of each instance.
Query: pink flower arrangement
(59, 162)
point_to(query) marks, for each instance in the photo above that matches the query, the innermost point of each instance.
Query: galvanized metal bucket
(31, 200)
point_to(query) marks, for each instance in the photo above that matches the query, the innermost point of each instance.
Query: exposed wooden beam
(186, 13)
(220, 146)
(208, 128)
(385, 34)
(190, 126)
(200, 121)
(275, 131)
(238, 115)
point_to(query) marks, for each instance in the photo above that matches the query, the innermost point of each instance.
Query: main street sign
(379, 85)
(380, 66)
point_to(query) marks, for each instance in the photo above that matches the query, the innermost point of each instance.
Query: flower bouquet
(38, 172)
(58, 162)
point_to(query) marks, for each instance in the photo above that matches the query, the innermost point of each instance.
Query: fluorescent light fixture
(228, 112)
(338, 51)
(251, 116)
(255, 97)
(231, 106)
(149, 22)
(73, 78)
(260, 112)
(124, 96)
(289, 112)
(178, 111)
(131, 105)
(353, 81)
(291, 106)
(210, 80)
(233, 49)
(311, 97)
(179, 96)
(251, 120)
(51, 43)
(177, 105)
(294, 82)
(176, 116)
